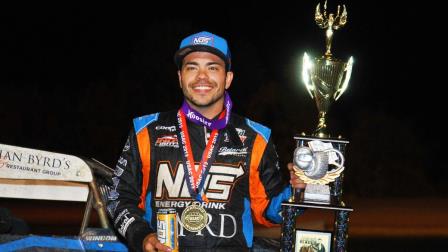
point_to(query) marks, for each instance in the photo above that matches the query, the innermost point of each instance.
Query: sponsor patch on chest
(167, 141)
(241, 134)
(226, 151)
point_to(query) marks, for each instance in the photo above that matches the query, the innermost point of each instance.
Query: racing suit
(243, 183)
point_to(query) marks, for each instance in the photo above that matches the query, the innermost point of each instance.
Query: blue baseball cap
(203, 42)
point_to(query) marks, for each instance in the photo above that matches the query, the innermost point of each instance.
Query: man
(318, 246)
(202, 160)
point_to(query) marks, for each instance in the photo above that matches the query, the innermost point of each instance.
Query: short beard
(197, 104)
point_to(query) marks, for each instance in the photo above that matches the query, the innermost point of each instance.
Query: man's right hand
(295, 181)
(152, 244)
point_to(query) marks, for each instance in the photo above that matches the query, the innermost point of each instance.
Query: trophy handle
(345, 79)
(306, 74)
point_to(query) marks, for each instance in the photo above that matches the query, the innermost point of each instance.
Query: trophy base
(315, 193)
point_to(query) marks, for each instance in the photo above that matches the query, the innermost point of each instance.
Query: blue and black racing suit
(243, 183)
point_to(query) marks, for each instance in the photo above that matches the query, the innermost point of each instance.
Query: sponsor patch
(123, 162)
(118, 171)
(226, 137)
(167, 141)
(125, 224)
(225, 151)
(202, 40)
(127, 145)
(241, 134)
(111, 207)
(167, 128)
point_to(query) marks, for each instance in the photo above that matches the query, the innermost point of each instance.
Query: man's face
(203, 79)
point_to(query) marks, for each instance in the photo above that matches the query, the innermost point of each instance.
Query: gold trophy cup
(326, 78)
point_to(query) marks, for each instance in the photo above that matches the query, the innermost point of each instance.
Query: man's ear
(229, 78)
(180, 78)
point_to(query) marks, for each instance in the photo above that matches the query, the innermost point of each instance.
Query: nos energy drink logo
(203, 40)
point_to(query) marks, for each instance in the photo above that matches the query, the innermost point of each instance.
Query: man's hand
(152, 244)
(295, 181)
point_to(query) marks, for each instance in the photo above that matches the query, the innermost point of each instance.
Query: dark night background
(72, 78)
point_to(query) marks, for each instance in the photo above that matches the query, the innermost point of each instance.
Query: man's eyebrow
(191, 63)
(213, 63)
(207, 64)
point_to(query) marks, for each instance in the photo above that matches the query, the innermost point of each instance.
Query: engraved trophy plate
(194, 217)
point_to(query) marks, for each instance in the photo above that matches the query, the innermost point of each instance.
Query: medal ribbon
(197, 118)
(196, 181)
(197, 177)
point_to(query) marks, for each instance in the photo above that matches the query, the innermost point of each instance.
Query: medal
(194, 217)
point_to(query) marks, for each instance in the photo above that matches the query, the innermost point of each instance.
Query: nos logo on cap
(201, 40)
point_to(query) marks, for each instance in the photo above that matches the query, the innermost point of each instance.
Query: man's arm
(276, 188)
(125, 196)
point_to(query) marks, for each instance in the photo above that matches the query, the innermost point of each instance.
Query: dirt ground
(380, 218)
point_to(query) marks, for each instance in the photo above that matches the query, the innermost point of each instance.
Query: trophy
(325, 78)
(319, 158)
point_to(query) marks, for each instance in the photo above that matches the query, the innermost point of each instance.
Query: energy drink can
(167, 228)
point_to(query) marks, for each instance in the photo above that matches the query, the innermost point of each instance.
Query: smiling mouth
(202, 88)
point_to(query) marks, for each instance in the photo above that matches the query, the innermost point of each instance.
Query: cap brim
(181, 53)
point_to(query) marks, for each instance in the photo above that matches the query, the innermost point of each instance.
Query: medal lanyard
(197, 118)
(196, 177)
